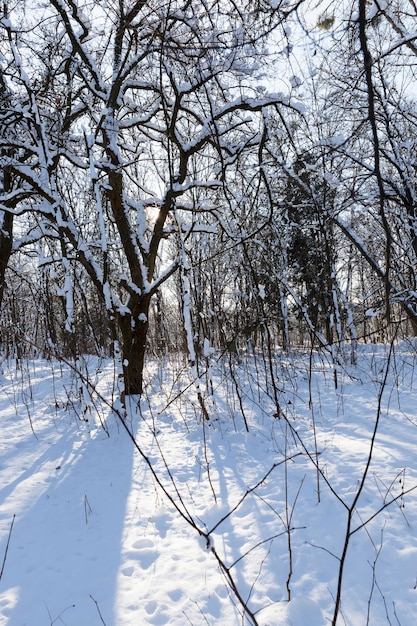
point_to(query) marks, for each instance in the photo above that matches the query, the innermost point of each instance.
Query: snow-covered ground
(203, 517)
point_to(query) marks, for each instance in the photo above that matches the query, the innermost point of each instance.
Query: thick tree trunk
(6, 236)
(6, 225)
(134, 329)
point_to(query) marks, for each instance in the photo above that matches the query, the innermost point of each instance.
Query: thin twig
(251, 489)
(87, 508)
(261, 543)
(98, 609)
(207, 460)
(7, 547)
(382, 508)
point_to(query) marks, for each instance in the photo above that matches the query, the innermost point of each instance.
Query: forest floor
(211, 522)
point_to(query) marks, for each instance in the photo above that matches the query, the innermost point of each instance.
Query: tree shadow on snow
(68, 492)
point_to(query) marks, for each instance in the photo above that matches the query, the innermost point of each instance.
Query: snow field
(95, 539)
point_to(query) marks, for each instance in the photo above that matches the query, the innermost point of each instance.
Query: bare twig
(251, 489)
(352, 507)
(71, 606)
(207, 460)
(98, 609)
(87, 508)
(7, 547)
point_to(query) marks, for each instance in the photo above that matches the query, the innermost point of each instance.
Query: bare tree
(137, 114)
(364, 69)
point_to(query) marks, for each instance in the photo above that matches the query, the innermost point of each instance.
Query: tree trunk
(134, 329)
(6, 236)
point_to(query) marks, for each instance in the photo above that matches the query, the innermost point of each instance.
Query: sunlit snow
(94, 530)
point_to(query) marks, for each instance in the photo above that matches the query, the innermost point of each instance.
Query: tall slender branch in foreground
(351, 509)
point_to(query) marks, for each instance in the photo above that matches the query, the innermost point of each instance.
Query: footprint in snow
(144, 552)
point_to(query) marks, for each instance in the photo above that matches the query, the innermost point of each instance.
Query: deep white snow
(88, 536)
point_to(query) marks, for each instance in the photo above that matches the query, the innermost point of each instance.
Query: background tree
(363, 81)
